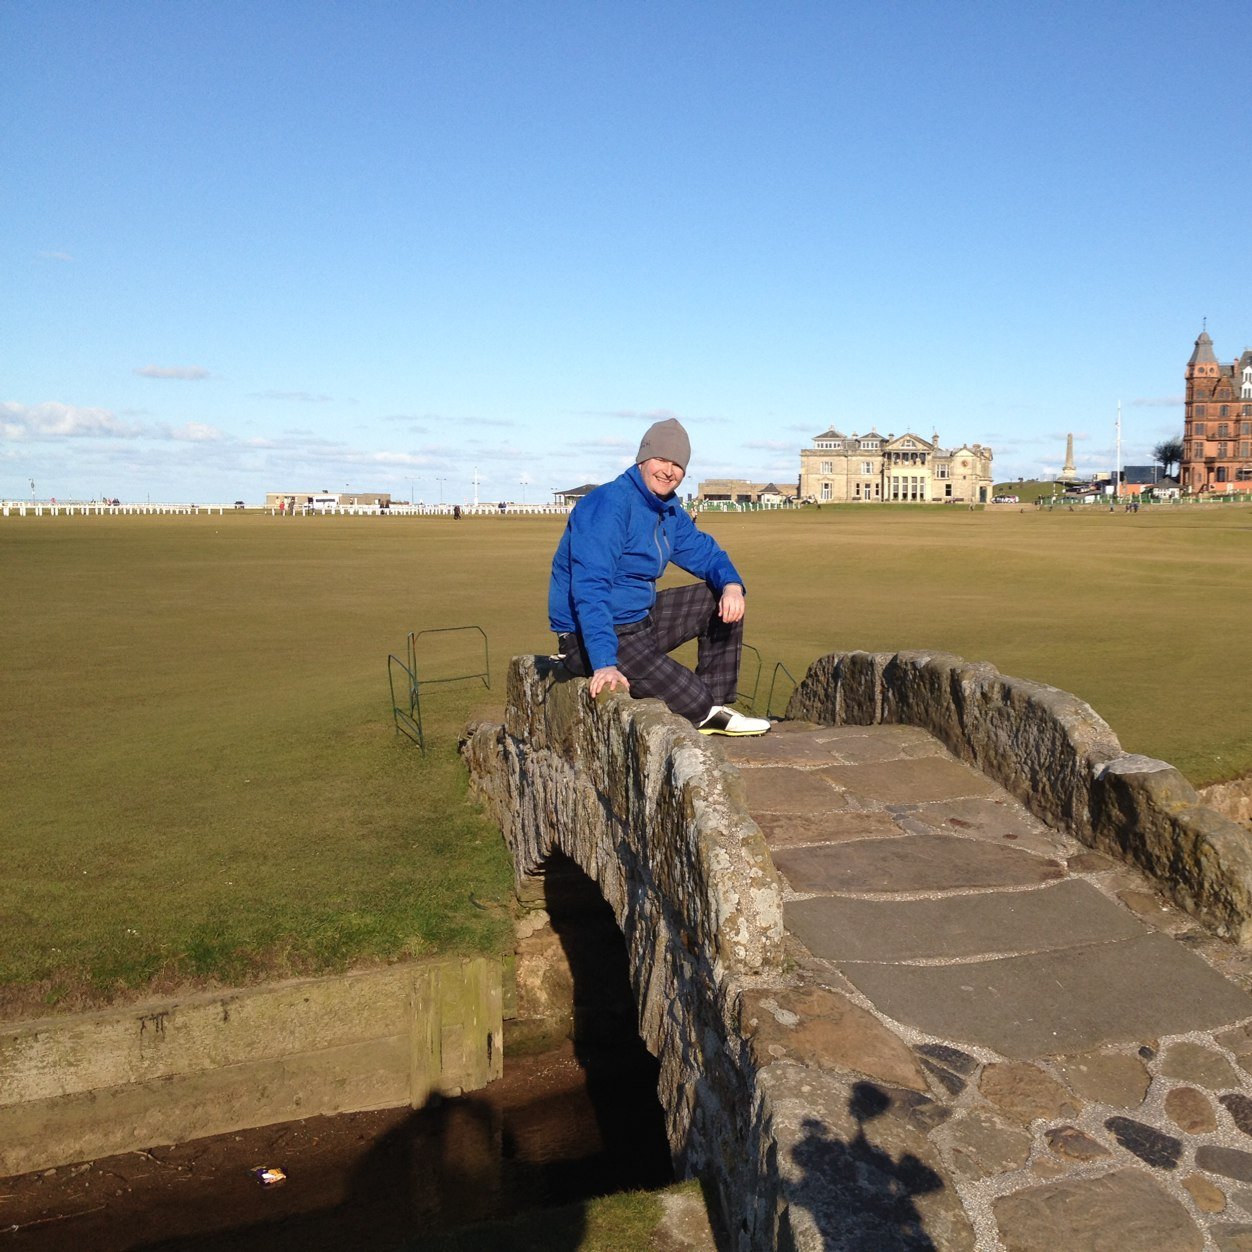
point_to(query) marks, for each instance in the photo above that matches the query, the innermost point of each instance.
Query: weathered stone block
(1025, 1092)
(818, 1027)
(980, 1144)
(1115, 1078)
(1147, 812)
(1196, 1064)
(1190, 1110)
(1079, 1216)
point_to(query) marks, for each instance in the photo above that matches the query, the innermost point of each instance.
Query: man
(611, 622)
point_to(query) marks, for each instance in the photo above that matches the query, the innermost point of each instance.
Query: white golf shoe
(723, 720)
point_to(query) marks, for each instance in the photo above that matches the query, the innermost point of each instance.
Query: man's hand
(730, 607)
(608, 677)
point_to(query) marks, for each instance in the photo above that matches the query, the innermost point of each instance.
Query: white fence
(42, 508)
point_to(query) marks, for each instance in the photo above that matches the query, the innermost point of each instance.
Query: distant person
(456, 512)
(612, 624)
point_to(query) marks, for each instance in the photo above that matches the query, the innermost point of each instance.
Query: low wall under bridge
(657, 816)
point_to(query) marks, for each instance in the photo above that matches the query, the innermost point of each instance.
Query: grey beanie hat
(666, 440)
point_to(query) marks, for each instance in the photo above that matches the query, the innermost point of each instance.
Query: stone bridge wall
(1059, 758)
(636, 798)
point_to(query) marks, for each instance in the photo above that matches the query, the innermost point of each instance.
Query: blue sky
(253, 246)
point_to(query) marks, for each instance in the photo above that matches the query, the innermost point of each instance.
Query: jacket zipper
(656, 539)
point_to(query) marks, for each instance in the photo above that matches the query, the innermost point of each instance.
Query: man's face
(661, 477)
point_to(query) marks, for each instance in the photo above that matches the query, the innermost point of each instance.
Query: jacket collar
(654, 502)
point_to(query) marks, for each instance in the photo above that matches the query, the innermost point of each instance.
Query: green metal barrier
(408, 721)
(769, 704)
(746, 697)
(408, 716)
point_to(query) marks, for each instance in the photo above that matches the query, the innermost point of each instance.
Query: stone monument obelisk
(1069, 474)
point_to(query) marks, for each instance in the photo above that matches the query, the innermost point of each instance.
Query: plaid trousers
(679, 614)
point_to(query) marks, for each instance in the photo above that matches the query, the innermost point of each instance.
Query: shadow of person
(429, 1181)
(861, 1197)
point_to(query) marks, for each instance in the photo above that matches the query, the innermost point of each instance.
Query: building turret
(1202, 362)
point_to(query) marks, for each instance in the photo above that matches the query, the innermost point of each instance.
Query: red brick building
(1217, 426)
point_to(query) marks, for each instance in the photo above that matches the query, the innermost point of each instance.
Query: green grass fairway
(201, 779)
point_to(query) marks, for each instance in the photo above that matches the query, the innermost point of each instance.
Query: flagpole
(1117, 484)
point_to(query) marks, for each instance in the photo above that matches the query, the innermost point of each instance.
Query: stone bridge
(935, 964)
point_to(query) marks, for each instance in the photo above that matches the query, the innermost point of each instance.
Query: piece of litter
(269, 1176)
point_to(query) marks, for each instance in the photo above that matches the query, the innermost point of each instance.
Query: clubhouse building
(870, 468)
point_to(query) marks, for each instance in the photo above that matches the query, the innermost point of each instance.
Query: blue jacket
(617, 543)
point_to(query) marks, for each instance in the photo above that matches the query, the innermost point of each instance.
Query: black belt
(567, 643)
(633, 628)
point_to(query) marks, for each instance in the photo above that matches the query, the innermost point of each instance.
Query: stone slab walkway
(1041, 1054)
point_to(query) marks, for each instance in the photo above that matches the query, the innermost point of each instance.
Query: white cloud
(197, 432)
(771, 445)
(635, 415)
(184, 373)
(607, 443)
(52, 420)
(388, 458)
(54, 256)
(484, 421)
(303, 397)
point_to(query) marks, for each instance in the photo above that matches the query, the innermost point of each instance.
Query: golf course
(203, 784)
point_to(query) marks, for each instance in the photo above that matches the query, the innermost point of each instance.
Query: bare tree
(1168, 452)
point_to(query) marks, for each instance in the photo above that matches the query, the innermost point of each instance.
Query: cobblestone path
(1043, 1055)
